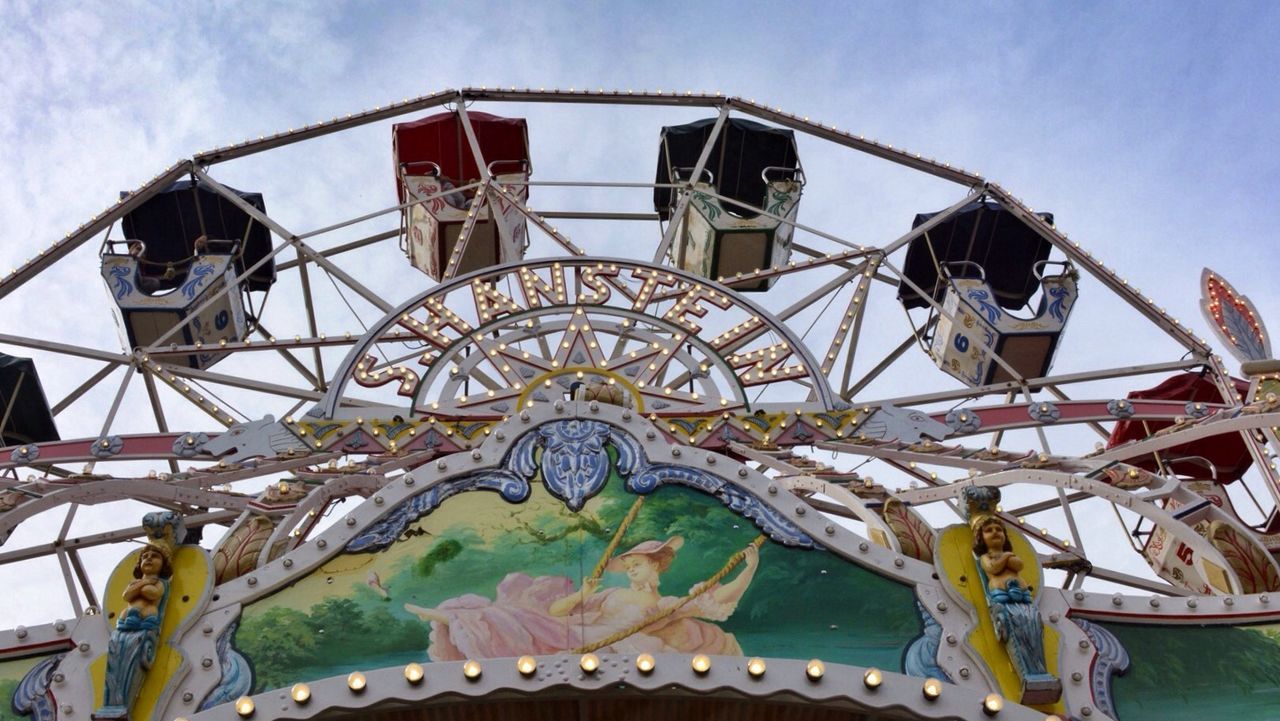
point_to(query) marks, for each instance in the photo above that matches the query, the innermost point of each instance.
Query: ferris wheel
(878, 353)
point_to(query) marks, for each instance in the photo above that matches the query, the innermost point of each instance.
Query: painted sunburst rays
(659, 341)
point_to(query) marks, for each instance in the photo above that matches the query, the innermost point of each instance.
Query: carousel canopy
(23, 407)
(440, 139)
(171, 221)
(1227, 452)
(983, 233)
(740, 154)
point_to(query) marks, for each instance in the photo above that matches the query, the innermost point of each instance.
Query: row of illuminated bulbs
(751, 102)
(1162, 311)
(645, 663)
(602, 92)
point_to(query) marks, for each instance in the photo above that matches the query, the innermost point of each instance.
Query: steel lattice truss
(372, 369)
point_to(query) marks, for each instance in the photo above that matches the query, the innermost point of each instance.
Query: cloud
(1155, 156)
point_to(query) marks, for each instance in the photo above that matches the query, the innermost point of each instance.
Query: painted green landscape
(7, 687)
(11, 674)
(1183, 673)
(350, 614)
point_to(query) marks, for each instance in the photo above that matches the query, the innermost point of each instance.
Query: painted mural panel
(1191, 674)
(23, 682)
(672, 571)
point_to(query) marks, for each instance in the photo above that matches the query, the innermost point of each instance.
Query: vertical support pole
(67, 576)
(85, 584)
(13, 400)
(162, 425)
(115, 407)
(1226, 386)
(309, 304)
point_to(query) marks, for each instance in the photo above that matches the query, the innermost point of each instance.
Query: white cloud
(1156, 161)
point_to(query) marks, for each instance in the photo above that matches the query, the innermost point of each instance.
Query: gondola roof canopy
(742, 151)
(170, 222)
(26, 414)
(984, 233)
(441, 139)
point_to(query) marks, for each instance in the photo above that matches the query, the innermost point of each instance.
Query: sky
(1147, 128)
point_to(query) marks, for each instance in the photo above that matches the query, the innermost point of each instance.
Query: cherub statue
(995, 553)
(1010, 601)
(132, 647)
(149, 586)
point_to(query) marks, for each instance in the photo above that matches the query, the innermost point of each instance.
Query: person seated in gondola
(456, 199)
(149, 284)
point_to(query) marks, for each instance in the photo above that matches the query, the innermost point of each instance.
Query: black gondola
(171, 221)
(750, 164)
(182, 248)
(979, 265)
(983, 233)
(24, 412)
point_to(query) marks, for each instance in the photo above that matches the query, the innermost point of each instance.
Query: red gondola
(433, 156)
(1226, 453)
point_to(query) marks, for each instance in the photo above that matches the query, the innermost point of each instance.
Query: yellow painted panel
(879, 538)
(191, 581)
(955, 554)
(1217, 576)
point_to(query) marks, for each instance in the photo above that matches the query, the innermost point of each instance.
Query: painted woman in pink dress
(545, 615)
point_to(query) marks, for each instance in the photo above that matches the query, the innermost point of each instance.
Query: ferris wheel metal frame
(701, 342)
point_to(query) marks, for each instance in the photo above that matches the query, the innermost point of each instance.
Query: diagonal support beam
(83, 388)
(116, 359)
(99, 223)
(291, 239)
(289, 357)
(686, 192)
(306, 394)
(316, 130)
(1100, 272)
